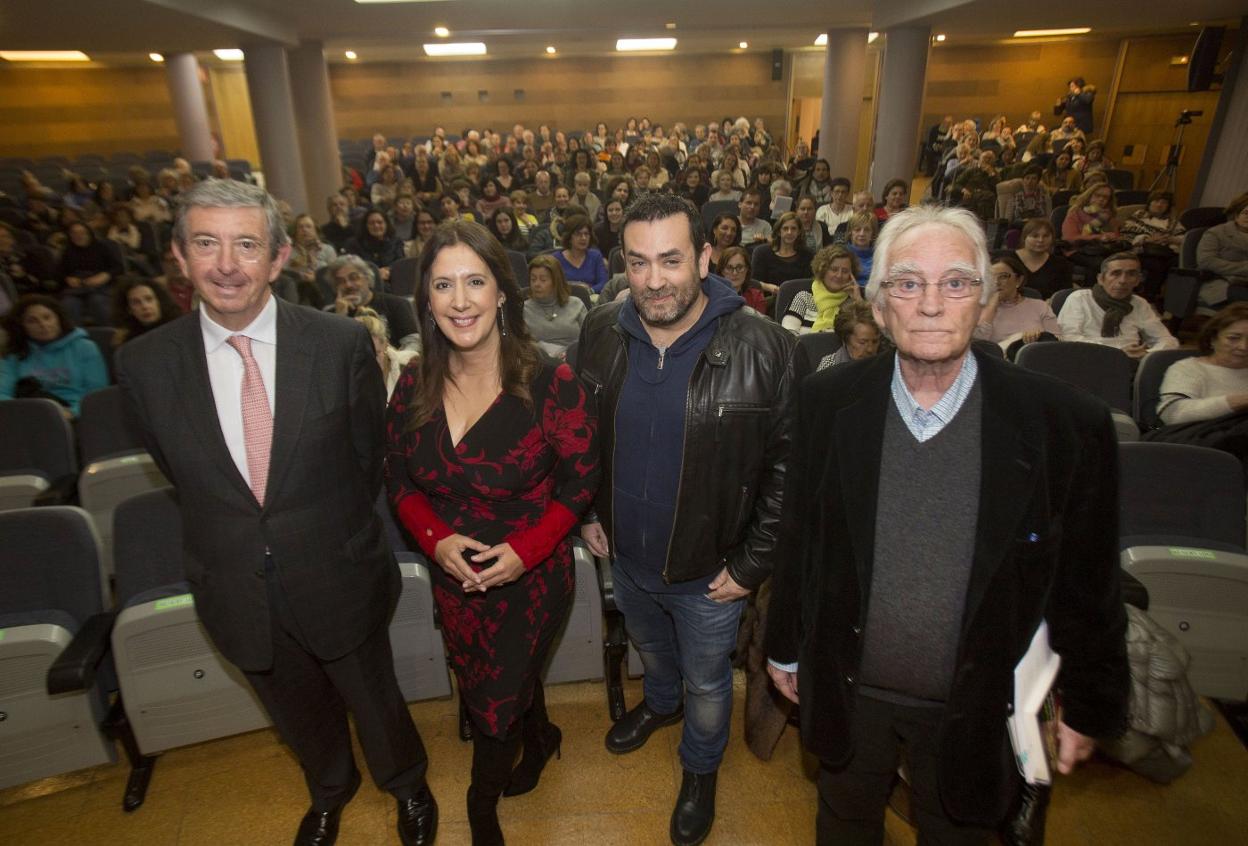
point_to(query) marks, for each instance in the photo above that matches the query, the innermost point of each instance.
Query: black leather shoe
(320, 828)
(695, 809)
(418, 818)
(634, 728)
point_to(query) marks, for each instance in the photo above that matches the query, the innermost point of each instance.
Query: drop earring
(502, 320)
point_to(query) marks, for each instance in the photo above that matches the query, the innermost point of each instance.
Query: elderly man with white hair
(939, 506)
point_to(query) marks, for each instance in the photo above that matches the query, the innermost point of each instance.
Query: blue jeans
(686, 643)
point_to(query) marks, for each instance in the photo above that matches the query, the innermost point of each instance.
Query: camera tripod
(1168, 175)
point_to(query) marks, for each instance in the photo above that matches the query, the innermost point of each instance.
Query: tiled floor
(247, 790)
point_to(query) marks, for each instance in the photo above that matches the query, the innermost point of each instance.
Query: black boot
(695, 809)
(492, 760)
(542, 739)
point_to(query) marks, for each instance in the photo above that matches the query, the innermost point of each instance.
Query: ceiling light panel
(456, 48)
(628, 45)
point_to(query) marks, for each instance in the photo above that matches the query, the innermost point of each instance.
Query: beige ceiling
(125, 31)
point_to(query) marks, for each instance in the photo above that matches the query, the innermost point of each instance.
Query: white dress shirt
(225, 373)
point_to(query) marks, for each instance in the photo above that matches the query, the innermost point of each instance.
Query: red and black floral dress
(519, 475)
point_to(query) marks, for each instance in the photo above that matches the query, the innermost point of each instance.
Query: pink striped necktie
(257, 418)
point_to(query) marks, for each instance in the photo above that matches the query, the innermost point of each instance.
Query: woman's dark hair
(387, 235)
(518, 359)
(1233, 313)
(614, 183)
(896, 183)
(128, 327)
(780, 222)
(516, 239)
(19, 344)
(571, 224)
(1162, 195)
(720, 218)
(1011, 260)
(1035, 223)
(1033, 170)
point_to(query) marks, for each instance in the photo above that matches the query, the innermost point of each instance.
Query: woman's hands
(507, 568)
(449, 553)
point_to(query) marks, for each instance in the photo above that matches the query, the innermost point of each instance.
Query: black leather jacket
(737, 431)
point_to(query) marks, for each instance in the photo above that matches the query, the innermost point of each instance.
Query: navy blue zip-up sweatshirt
(649, 437)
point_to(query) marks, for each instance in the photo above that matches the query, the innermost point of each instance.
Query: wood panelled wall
(1013, 79)
(1150, 97)
(54, 111)
(566, 93)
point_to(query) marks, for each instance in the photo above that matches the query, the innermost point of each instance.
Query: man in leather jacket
(692, 390)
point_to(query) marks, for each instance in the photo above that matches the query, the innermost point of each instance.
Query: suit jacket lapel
(195, 389)
(1010, 463)
(859, 437)
(293, 376)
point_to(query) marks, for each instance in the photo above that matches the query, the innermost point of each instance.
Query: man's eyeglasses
(950, 287)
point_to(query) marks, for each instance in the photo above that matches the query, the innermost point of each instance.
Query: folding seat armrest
(1133, 591)
(62, 491)
(75, 668)
(606, 583)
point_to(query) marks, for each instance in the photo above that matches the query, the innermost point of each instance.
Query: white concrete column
(843, 75)
(318, 135)
(273, 112)
(190, 111)
(897, 115)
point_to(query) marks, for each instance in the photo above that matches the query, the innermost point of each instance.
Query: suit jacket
(1046, 547)
(336, 571)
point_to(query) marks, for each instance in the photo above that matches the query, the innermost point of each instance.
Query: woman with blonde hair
(390, 359)
(835, 270)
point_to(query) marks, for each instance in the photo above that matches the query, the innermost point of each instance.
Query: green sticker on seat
(1188, 552)
(172, 602)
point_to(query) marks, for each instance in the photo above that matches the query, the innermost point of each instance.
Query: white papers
(1033, 678)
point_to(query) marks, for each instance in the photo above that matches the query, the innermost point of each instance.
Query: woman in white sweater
(1214, 384)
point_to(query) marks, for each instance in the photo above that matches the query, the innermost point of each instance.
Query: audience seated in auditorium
(340, 229)
(553, 316)
(1156, 235)
(1095, 159)
(1025, 198)
(975, 187)
(859, 333)
(308, 254)
(47, 356)
(140, 305)
(724, 190)
(1223, 251)
(862, 228)
(734, 266)
(352, 280)
(390, 359)
(376, 243)
(607, 232)
(725, 232)
(896, 198)
(24, 270)
(147, 205)
(1060, 175)
(786, 257)
(581, 260)
(820, 184)
(754, 229)
(1048, 272)
(838, 210)
(1010, 316)
(583, 195)
(502, 223)
(1109, 313)
(403, 216)
(1090, 230)
(834, 272)
(814, 235)
(88, 266)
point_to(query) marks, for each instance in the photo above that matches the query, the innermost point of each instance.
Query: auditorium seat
(103, 337)
(1120, 180)
(519, 266)
(811, 349)
(616, 649)
(176, 689)
(1187, 251)
(404, 277)
(115, 465)
(578, 650)
(1182, 534)
(54, 631)
(37, 461)
(784, 296)
(1203, 216)
(1148, 379)
(419, 654)
(1103, 371)
(615, 261)
(714, 208)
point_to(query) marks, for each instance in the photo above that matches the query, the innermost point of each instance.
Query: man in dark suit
(939, 506)
(267, 418)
